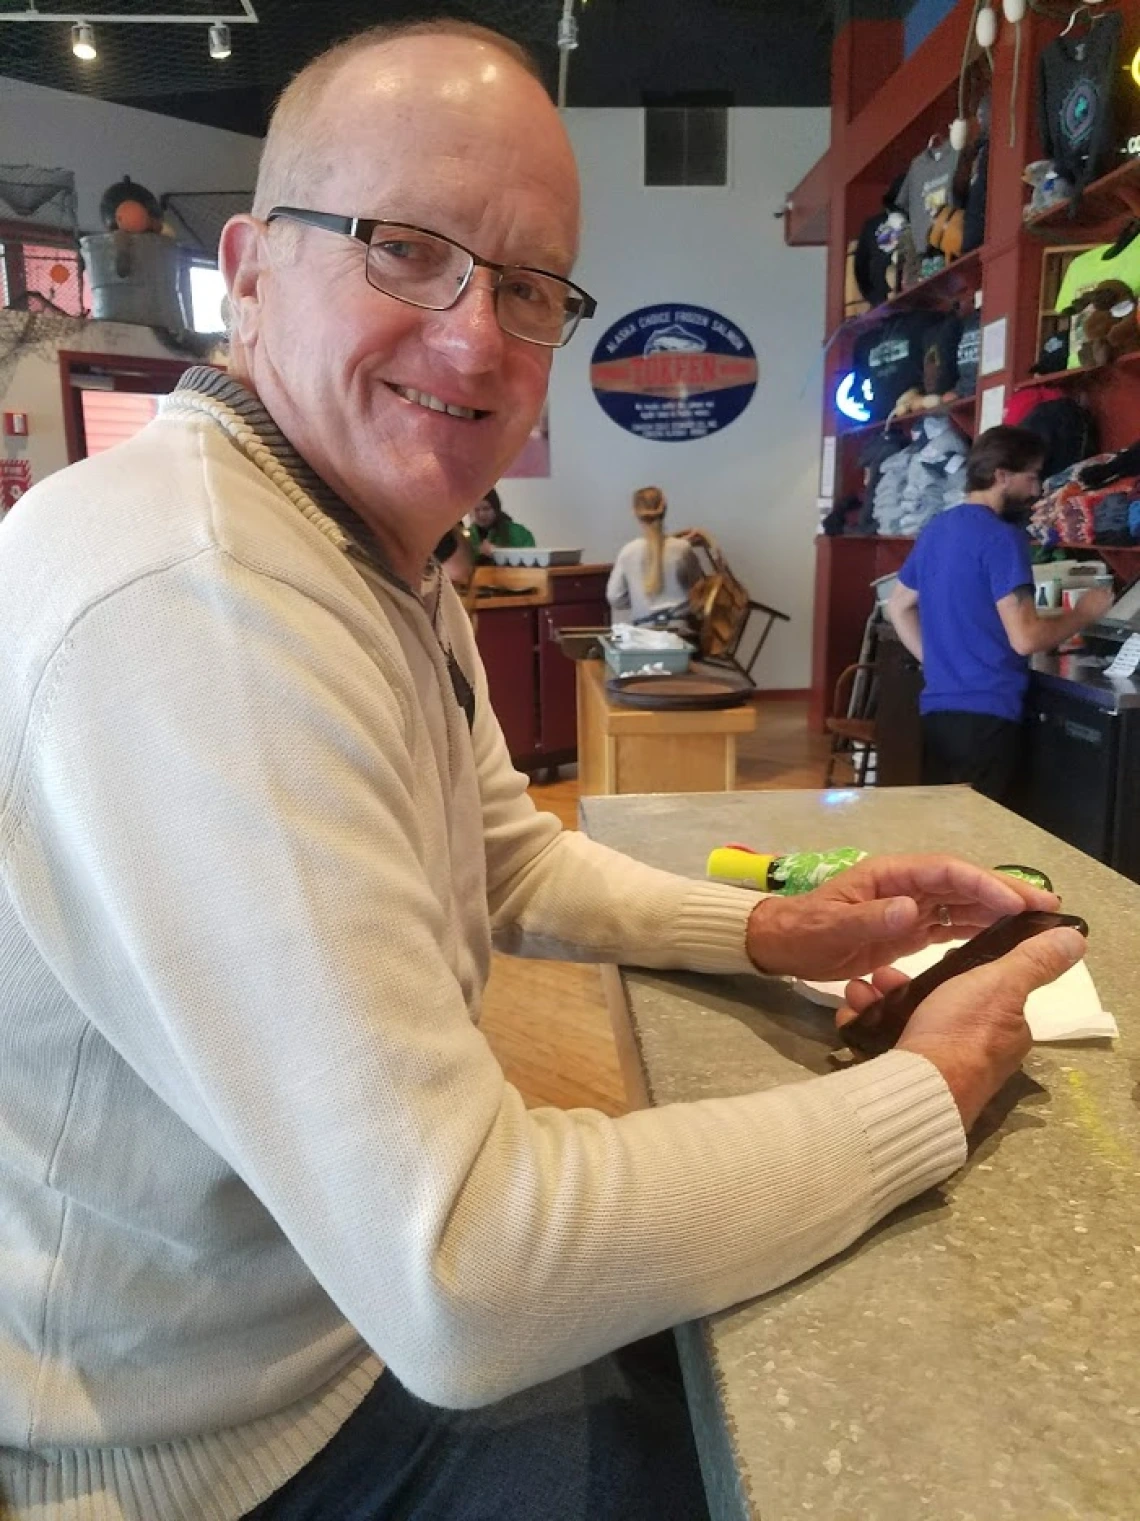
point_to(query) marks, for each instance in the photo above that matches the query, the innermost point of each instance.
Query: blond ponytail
(650, 505)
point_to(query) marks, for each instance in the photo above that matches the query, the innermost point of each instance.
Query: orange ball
(132, 216)
(59, 273)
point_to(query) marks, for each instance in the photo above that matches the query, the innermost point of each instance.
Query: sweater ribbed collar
(355, 537)
(205, 380)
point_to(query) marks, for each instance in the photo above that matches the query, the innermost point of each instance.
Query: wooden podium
(624, 749)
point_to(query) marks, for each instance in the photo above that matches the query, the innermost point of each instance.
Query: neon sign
(853, 399)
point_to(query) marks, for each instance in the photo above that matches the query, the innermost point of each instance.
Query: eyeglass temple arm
(325, 219)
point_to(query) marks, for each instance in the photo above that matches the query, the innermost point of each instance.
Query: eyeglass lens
(429, 272)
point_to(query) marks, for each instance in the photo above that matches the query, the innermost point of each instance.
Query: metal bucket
(140, 277)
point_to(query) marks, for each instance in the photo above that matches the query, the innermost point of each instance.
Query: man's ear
(243, 257)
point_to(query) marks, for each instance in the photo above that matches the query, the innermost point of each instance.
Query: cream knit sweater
(252, 1141)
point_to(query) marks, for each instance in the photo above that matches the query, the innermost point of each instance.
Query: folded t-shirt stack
(1096, 501)
(921, 481)
(1110, 517)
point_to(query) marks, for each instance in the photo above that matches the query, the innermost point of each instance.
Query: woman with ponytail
(653, 574)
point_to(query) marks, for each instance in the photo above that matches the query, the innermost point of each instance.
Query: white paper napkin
(1068, 1009)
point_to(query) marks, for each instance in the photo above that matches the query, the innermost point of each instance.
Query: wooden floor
(546, 1020)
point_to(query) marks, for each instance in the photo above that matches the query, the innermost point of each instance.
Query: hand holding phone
(879, 1026)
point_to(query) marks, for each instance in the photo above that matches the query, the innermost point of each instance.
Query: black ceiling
(760, 52)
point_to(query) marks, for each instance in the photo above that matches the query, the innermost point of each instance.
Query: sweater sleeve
(220, 860)
(555, 893)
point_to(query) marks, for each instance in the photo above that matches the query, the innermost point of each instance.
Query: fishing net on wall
(198, 216)
(41, 281)
(36, 334)
(29, 193)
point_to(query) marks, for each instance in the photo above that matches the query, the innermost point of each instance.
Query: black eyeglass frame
(362, 229)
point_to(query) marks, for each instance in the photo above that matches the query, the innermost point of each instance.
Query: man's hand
(973, 1027)
(884, 908)
(1094, 604)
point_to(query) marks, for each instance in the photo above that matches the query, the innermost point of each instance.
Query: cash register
(1122, 620)
(1083, 750)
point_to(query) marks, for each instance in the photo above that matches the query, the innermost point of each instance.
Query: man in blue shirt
(964, 607)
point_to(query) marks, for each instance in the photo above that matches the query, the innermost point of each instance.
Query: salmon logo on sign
(673, 372)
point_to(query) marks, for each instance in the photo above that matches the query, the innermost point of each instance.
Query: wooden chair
(852, 722)
(724, 611)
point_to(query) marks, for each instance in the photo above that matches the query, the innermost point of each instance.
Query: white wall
(100, 143)
(754, 486)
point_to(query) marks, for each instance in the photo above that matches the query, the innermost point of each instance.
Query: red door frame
(129, 373)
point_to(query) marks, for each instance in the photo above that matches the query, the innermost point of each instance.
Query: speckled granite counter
(977, 1356)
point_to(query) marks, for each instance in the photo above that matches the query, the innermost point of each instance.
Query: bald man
(278, 1240)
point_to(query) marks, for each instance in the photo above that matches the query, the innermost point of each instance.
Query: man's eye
(532, 292)
(399, 248)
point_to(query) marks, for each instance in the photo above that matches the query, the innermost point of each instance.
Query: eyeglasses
(427, 270)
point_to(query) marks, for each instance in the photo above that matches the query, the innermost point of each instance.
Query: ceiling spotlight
(83, 41)
(219, 40)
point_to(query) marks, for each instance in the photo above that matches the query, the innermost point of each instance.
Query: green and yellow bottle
(797, 872)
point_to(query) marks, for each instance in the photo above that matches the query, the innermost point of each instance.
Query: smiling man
(278, 1239)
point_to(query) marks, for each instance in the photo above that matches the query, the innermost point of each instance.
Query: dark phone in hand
(878, 1028)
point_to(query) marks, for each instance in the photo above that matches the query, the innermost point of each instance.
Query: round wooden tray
(696, 688)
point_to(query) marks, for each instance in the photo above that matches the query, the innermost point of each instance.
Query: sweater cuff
(710, 928)
(913, 1129)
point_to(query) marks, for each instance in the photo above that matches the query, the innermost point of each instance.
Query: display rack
(940, 291)
(883, 109)
(961, 412)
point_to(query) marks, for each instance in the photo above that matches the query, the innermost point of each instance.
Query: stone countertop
(977, 1355)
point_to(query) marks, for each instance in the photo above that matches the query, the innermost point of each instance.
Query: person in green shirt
(492, 528)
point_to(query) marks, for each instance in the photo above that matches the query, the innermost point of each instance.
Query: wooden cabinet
(506, 639)
(642, 750)
(557, 712)
(531, 681)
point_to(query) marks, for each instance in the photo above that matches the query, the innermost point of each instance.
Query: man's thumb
(1037, 961)
(881, 919)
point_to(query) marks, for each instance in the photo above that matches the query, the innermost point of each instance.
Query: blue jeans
(608, 1442)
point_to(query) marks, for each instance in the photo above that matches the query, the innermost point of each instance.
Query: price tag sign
(1128, 658)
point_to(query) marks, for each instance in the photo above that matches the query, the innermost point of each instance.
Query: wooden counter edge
(629, 1056)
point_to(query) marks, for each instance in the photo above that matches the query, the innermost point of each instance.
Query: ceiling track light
(83, 41)
(220, 40)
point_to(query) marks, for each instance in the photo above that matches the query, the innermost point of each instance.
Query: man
(264, 1192)
(964, 607)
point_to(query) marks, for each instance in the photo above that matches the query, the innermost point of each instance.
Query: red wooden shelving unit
(883, 110)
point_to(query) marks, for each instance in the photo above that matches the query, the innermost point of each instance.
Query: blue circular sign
(673, 373)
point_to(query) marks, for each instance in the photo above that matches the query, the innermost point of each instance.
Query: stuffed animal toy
(947, 231)
(128, 206)
(1050, 187)
(911, 401)
(1105, 323)
(888, 238)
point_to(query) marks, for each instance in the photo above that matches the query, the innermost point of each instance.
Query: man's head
(1004, 465)
(442, 126)
(488, 511)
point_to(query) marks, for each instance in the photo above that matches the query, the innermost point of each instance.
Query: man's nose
(469, 332)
